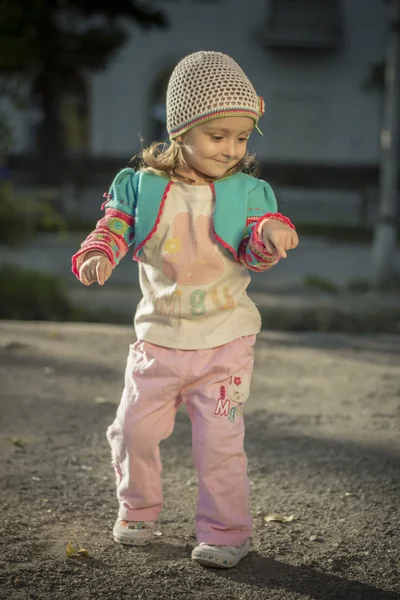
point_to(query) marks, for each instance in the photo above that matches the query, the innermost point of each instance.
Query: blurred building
(309, 59)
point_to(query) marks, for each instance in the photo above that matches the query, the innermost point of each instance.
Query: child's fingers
(83, 276)
(292, 241)
(107, 271)
(282, 251)
(269, 246)
(288, 242)
(295, 240)
(100, 272)
(281, 245)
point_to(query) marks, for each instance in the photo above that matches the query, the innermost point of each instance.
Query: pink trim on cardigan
(119, 214)
(109, 197)
(279, 217)
(225, 245)
(156, 224)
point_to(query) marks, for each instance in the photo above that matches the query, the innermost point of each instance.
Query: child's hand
(278, 237)
(96, 267)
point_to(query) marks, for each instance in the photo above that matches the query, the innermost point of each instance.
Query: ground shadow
(272, 574)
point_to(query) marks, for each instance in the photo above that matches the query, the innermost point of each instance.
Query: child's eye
(243, 139)
(217, 138)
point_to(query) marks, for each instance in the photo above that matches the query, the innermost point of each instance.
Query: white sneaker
(133, 533)
(224, 557)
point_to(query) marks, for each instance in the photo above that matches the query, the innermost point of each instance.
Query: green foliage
(22, 217)
(15, 226)
(32, 295)
(67, 35)
(53, 42)
(320, 284)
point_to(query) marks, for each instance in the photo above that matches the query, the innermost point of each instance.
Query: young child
(197, 224)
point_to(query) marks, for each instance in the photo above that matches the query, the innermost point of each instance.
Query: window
(307, 24)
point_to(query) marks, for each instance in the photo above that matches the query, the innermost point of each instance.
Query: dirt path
(323, 443)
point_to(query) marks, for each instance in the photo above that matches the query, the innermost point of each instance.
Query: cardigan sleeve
(261, 206)
(115, 232)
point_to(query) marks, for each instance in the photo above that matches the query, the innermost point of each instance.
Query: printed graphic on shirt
(169, 306)
(231, 400)
(227, 303)
(194, 291)
(191, 256)
(197, 303)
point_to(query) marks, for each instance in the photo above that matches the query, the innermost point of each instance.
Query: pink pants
(214, 384)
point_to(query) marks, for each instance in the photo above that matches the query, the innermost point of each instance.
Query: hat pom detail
(261, 105)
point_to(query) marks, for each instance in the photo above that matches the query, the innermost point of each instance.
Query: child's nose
(230, 149)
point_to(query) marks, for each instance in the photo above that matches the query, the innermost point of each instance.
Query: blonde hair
(163, 159)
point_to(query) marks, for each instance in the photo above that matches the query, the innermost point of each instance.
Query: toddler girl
(197, 223)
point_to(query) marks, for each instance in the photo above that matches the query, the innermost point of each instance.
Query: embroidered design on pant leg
(238, 392)
(223, 404)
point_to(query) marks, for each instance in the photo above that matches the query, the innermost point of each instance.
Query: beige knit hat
(207, 85)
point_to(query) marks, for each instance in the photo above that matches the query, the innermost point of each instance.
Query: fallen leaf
(18, 442)
(72, 551)
(100, 400)
(312, 538)
(276, 517)
(54, 334)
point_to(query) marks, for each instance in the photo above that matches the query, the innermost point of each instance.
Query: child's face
(215, 147)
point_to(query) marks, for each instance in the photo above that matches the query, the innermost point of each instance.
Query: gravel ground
(323, 444)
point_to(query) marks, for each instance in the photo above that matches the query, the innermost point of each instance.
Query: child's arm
(115, 232)
(268, 234)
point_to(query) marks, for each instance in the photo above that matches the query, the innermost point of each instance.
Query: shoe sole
(206, 562)
(120, 539)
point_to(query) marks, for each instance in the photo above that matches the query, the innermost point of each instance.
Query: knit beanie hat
(207, 85)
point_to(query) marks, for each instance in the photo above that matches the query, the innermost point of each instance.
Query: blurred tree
(54, 41)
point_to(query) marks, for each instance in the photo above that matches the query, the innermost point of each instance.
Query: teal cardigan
(135, 203)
